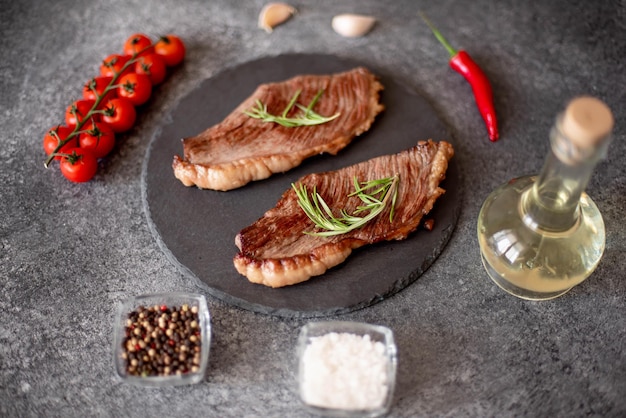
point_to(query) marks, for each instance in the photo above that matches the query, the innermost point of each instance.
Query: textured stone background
(69, 253)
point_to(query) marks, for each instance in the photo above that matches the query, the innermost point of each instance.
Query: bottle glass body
(541, 235)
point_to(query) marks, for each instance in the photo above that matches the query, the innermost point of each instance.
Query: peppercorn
(162, 341)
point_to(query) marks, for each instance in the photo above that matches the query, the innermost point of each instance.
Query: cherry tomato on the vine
(138, 43)
(135, 87)
(78, 111)
(119, 114)
(79, 165)
(53, 138)
(95, 87)
(125, 81)
(171, 48)
(98, 138)
(113, 64)
(153, 66)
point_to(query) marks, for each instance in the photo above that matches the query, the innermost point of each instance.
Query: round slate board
(196, 228)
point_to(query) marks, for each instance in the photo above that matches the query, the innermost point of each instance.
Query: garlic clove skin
(352, 25)
(273, 14)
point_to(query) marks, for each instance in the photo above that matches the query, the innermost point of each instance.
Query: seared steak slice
(275, 251)
(241, 149)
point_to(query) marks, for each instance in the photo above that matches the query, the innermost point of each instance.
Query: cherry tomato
(138, 43)
(53, 138)
(135, 87)
(99, 138)
(153, 66)
(113, 64)
(78, 111)
(79, 165)
(171, 48)
(119, 114)
(94, 88)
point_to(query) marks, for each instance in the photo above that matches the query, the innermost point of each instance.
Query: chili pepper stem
(439, 36)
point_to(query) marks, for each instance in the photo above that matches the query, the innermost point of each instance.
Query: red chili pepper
(462, 63)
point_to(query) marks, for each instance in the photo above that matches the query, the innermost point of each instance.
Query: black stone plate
(196, 228)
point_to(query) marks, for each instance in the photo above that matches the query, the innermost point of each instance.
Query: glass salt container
(542, 235)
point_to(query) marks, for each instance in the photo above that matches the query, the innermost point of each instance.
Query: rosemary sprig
(306, 118)
(375, 194)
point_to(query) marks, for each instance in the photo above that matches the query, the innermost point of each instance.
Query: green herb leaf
(375, 194)
(307, 117)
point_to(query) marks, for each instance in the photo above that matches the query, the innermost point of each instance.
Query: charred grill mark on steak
(241, 149)
(276, 252)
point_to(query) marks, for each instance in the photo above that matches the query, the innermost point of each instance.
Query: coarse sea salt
(344, 371)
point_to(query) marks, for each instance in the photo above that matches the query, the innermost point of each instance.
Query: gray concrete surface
(69, 253)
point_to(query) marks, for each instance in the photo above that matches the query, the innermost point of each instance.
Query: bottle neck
(552, 204)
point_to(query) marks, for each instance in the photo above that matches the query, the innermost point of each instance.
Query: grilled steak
(241, 149)
(275, 251)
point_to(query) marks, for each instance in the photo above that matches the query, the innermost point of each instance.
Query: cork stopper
(587, 121)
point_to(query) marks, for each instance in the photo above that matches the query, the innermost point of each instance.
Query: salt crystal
(344, 371)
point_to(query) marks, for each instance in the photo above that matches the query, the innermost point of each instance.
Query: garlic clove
(352, 25)
(273, 14)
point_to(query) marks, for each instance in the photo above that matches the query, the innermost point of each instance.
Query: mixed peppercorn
(162, 341)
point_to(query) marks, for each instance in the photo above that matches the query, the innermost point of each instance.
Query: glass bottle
(541, 235)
